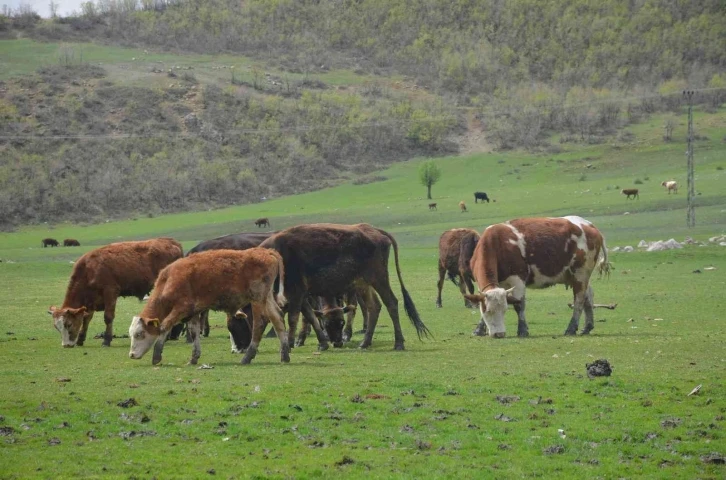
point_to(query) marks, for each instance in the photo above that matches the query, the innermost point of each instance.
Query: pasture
(451, 406)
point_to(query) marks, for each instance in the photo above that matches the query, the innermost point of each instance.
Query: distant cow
(224, 280)
(670, 185)
(262, 222)
(329, 260)
(71, 242)
(49, 241)
(630, 192)
(537, 253)
(462, 206)
(432, 206)
(456, 248)
(124, 269)
(480, 196)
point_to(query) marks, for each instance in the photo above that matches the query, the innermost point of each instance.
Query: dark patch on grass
(670, 422)
(128, 403)
(503, 418)
(346, 460)
(554, 450)
(6, 431)
(507, 399)
(714, 458)
(134, 434)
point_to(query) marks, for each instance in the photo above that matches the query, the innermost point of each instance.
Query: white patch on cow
(141, 340)
(520, 239)
(496, 306)
(579, 221)
(517, 283)
(540, 280)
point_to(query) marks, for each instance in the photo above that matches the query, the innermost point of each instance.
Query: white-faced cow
(329, 260)
(670, 186)
(224, 280)
(456, 248)
(124, 269)
(537, 253)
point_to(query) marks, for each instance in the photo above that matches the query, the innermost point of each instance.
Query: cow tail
(408, 305)
(281, 300)
(604, 267)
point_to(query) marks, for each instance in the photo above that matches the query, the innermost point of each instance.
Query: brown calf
(456, 248)
(71, 242)
(630, 192)
(49, 241)
(537, 253)
(262, 222)
(432, 206)
(462, 206)
(329, 260)
(124, 269)
(224, 280)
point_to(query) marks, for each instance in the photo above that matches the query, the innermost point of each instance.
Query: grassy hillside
(453, 406)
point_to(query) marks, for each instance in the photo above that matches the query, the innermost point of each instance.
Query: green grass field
(454, 406)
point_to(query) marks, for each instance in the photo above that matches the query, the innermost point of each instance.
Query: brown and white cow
(124, 269)
(536, 253)
(224, 280)
(670, 185)
(456, 247)
(328, 260)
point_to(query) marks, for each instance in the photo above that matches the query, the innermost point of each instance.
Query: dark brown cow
(537, 253)
(124, 269)
(328, 260)
(432, 206)
(49, 241)
(71, 242)
(262, 222)
(456, 248)
(224, 280)
(630, 192)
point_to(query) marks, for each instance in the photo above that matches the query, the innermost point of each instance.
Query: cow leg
(109, 312)
(589, 313)
(440, 285)
(522, 328)
(84, 329)
(391, 303)
(470, 286)
(577, 306)
(373, 309)
(303, 335)
(193, 331)
(294, 306)
(274, 315)
(204, 323)
(349, 317)
(482, 329)
(312, 319)
(159, 348)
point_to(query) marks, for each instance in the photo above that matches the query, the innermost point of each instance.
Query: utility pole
(690, 213)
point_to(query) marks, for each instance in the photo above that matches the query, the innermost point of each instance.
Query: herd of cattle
(324, 271)
(669, 185)
(52, 242)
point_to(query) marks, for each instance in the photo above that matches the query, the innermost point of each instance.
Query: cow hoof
(438, 305)
(570, 332)
(338, 344)
(155, 360)
(364, 345)
(193, 361)
(398, 346)
(285, 357)
(106, 344)
(323, 346)
(585, 332)
(523, 334)
(80, 344)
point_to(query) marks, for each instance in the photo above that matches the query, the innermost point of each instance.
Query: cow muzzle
(69, 345)
(499, 334)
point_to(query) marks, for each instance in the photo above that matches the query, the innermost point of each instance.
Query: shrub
(638, 181)
(366, 180)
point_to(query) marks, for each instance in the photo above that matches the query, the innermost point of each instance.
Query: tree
(429, 174)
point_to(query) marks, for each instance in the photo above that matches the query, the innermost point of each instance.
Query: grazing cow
(432, 206)
(480, 196)
(630, 192)
(329, 260)
(262, 222)
(124, 269)
(224, 280)
(235, 325)
(670, 185)
(49, 241)
(462, 206)
(538, 253)
(71, 242)
(456, 247)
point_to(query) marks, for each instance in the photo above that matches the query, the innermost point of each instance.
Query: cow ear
(349, 308)
(476, 299)
(77, 311)
(51, 309)
(151, 322)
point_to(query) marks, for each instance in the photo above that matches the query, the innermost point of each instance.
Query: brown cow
(224, 280)
(71, 242)
(456, 247)
(432, 206)
(124, 269)
(537, 253)
(630, 192)
(328, 260)
(49, 241)
(462, 206)
(262, 222)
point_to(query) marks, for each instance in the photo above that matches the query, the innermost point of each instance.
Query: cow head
(493, 306)
(333, 321)
(143, 333)
(69, 322)
(240, 331)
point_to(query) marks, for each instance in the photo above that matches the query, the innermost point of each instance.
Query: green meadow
(452, 406)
